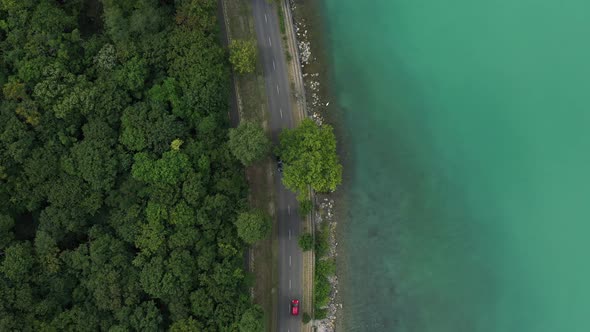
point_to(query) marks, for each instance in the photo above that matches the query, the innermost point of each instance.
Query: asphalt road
(289, 223)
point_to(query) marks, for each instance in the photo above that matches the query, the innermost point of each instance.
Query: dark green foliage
(252, 320)
(170, 169)
(305, 207)
(118, 190)
(18, 262)
(149, 125)
(93, 158)
(306, 318)
(186, 325)
(320, 313)
(322, 243)
(324, 268)
(6, 234)
(305, 242)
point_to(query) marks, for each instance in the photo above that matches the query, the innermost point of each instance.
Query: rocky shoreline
(317, 105)
(325, 214)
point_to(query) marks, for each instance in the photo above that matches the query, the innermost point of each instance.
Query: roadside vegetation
(243, 55)
(253, 226)
(310, 160)
(281, 16)
(325, 267)
(305, 207)
(252, 320)
(249, 143)
(306, 318)
(252, 106)
(305, 241)
(119, 193)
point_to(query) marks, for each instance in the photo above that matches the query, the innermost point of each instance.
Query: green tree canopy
(306, 318)
(118, 189)
(242, 55)
(186, 325)
(309, 156)
(149, 125)
(18, 263)
(248, 142)
(305, 207)
(252, 320)
(253, 226)
(170, 169)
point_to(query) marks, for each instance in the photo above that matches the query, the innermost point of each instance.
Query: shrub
(305, 207)
(320, 313)
(306, 318)
(306, 242)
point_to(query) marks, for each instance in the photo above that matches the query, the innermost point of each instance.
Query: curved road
(279, 102)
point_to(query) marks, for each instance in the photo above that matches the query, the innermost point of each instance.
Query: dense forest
(118, 192)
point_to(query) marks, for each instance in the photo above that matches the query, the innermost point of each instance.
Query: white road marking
(281, 110)
(289, 209)
(289, 260)
(269, 42)
(289, 234)
(289, 283)
(279, 92)
(265, 18)
(274, 67)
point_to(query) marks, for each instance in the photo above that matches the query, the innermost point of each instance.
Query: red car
(294, 307)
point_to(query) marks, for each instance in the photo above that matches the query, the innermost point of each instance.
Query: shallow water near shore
(468, 136)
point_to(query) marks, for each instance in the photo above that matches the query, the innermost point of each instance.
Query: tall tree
(248, 142)
(252, 320)
(253, 226)
(242, 55)
(310, 159)
(171, 168)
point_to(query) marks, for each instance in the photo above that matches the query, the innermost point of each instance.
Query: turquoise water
(469, 127)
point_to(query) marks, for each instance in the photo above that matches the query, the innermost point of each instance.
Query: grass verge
(281, 20)
(252, 105)
(252, 98)
(265, 267)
